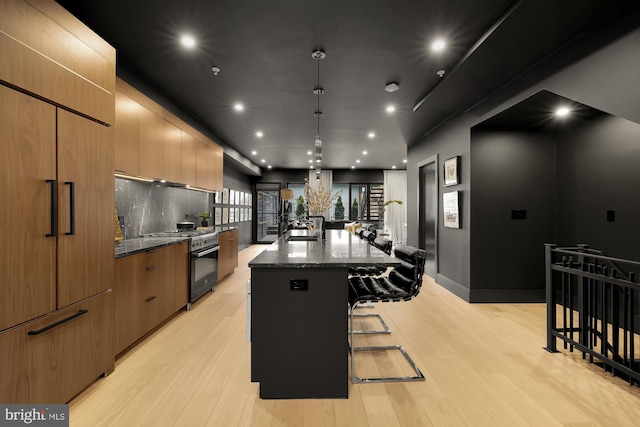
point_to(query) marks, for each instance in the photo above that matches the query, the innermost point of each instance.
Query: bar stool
(402, 284)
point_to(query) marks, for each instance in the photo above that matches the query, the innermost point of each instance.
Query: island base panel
(299, 345)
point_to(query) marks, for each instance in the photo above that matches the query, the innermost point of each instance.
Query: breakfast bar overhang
(299, 312)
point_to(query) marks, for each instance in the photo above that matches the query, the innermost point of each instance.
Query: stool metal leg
(357, 380)
(385, 329)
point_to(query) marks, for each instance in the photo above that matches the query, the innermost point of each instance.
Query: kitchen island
(298, 312)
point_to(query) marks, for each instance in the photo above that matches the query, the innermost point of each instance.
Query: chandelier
(318, 55)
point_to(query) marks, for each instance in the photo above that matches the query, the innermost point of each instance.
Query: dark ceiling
(263, 49)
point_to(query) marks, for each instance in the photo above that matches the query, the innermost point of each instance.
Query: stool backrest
(408, 275)
(383, 244)
(368, 235)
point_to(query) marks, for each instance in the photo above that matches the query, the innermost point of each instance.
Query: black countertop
(143, 244)
(340, 249)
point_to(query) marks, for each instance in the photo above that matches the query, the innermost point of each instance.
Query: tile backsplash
(149, 207)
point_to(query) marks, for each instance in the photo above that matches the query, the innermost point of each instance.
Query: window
(340, 211)
(360, 202)
(298, 206)
(366, 201)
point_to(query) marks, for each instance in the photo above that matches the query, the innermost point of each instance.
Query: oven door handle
(206, 252)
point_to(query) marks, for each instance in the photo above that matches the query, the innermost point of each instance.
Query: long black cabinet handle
(58, 323)
(150, 299)
(151, 267)
(72, 207)
(54, 207)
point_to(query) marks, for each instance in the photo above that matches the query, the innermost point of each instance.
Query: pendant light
(318, 55)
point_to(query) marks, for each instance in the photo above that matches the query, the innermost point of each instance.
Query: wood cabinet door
(188, 159)
(157, 287)
(181, 258)
(217, 168)
(85, 206)
(127, 134)
(44, 362)
(203, 160)
(28, 257)
(223, 242)
(172, 152)
(151, 144)
(228, 256)
(233, 250)
(126, 329)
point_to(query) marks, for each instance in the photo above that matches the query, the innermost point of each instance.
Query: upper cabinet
(155, 144)
(172, 152)
(127, 134)
(56, 57)
(189, 144)
(151, 154)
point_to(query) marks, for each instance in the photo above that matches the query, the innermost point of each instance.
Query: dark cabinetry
(299, 332)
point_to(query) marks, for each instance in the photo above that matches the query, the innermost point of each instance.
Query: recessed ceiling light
(562, 111)
(358, 161)
(438, 45)
(318, 160)
(393, 167)
(391, 109)
(365, 153)
(404, 161)
(309, 152)
(187, 41)
(311, 167)
(254, 152)
(238, 107)
(372, 135)
(310, 161)
(353, 167)
(269, 167)
(263, 160)
(259, 134)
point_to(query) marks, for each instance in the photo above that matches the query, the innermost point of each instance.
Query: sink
(302, 239)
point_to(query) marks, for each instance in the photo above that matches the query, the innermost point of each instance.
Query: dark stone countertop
(222, 229)
(340, 249)
(133, 246)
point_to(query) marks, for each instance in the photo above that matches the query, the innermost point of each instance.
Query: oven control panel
(204, 241)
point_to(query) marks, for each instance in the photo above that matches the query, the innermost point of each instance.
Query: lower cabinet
(228, 255)
(51, 359)
(149, 287)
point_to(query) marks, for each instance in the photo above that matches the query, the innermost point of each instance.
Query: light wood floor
(485, 366)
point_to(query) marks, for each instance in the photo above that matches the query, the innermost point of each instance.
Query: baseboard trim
(507, 296)
(491, 295)
(454, 287)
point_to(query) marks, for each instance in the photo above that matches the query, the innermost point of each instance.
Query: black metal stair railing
(593, 307)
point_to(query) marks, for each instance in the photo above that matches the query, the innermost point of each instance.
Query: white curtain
(326, 177)
(395, 215)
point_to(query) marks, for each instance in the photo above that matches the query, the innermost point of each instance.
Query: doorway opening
(428, 213)
(267, 212)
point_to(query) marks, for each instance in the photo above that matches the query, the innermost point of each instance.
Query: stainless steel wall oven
(203, 268)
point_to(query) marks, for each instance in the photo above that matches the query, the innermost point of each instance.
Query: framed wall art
(451, 209)
(451, 171)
